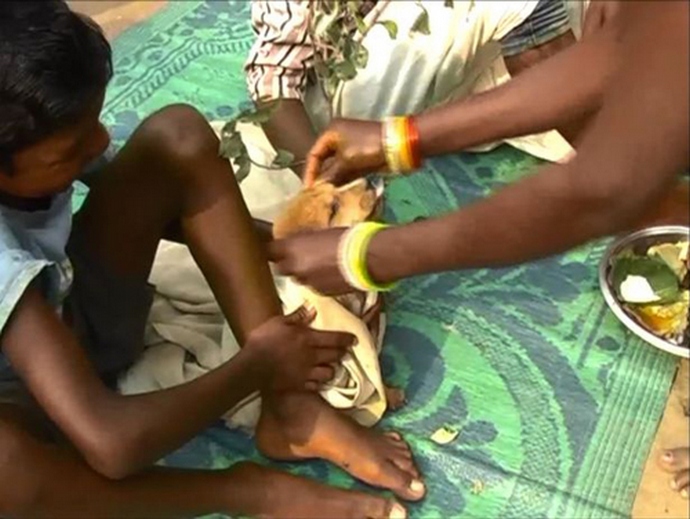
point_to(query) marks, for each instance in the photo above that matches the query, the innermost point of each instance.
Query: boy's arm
(117, 435)
(277, 68)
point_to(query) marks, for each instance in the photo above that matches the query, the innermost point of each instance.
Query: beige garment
(460, 57)
(188, 337)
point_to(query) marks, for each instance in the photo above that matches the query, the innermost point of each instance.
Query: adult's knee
(179, 131)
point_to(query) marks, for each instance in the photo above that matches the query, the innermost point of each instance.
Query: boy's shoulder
(32, 245)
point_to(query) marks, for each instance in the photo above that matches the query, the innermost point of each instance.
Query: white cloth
(461, 56)
(187, 336)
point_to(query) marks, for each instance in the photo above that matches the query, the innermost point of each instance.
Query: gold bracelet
(400, 144)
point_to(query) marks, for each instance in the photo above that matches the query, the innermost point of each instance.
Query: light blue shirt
(32, 246)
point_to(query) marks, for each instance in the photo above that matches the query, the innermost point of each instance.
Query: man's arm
(637, 146)
(558, 92)
(290, 129)
(277, 68)
(551, 94)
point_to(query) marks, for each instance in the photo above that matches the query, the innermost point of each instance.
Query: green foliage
(658, 274)
(338, 55)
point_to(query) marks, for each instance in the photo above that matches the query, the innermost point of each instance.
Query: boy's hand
(291, 356)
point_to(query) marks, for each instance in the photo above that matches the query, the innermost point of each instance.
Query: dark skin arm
(628, 161)
(291, 130)
(119, 435)
(553, 93)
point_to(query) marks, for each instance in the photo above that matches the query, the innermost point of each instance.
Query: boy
(71, 446)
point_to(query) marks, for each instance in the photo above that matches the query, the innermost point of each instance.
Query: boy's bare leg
(44, 480)
(168, 176)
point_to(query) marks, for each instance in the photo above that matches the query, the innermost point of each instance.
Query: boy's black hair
(54, 64)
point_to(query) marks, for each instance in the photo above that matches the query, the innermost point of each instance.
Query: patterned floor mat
(555, 404)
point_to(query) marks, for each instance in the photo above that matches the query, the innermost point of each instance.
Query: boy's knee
(19, 489)
(180, 131)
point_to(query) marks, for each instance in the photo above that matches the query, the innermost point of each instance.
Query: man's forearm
(628, 162)
(549, 95)
(524, 222)
(290, 129)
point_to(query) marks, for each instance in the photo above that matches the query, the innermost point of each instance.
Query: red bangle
(413, 142)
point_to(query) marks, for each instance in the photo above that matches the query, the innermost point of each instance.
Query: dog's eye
(334, 209)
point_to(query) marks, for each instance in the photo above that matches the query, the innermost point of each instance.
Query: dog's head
(325, 205)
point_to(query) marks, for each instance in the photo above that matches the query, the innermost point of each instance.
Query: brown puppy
(324, 205)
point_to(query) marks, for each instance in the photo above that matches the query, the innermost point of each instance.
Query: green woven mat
(555, 404)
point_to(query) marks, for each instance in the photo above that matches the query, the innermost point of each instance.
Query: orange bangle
(404, 150)
(413, 143)
(400, 139)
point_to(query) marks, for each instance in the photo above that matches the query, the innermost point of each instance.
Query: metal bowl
(639, 242)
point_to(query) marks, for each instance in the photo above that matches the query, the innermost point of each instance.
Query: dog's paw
(395, 397)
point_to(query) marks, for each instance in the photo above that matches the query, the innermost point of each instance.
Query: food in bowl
(653, 286)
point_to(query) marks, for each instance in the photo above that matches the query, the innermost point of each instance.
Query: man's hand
(346, 151)
(312, 259)
(292, 356)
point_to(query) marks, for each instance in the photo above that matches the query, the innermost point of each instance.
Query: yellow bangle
(352, 257)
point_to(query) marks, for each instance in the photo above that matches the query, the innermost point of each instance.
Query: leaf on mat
(477, 487)
(444, 435)
(391, 27)
(284, 159)
(658, 274)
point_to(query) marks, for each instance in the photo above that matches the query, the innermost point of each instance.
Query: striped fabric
(281, 58)
(282, 55)
(548, 21)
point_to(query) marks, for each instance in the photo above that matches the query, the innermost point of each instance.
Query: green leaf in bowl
(658, 274)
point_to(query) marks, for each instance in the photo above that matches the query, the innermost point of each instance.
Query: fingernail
(674, 484)
(417, 486)
(668, 456)
(684, 493)
(397, 512)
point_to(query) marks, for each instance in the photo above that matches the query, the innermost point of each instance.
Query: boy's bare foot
(275, 494)
(677, 461)
(303, 426)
